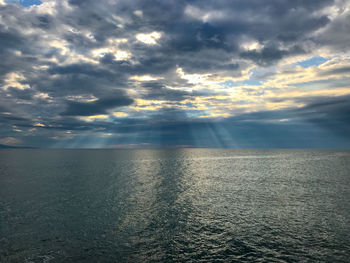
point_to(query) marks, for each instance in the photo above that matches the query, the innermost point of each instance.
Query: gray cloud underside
(195, 44)
(321, 119)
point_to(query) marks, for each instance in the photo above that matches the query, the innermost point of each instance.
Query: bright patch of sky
(255, 76)
(252, 82)
(315, 61)
(228, 84)
(25, 3)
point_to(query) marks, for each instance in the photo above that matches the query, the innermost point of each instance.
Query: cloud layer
(172, 73)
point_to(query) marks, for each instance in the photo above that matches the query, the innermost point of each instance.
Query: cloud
(99, 106)
(174, 72)
(10, 141)
(336, 71)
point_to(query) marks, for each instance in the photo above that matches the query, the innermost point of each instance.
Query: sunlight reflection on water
(174, 205)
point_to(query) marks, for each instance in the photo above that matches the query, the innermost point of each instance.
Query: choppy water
(194, 205)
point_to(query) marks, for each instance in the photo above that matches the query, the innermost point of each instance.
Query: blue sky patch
(252, 82)
(315, 61)
(228, 84)
(25, 3)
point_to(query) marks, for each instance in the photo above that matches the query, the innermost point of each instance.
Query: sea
(174, 205)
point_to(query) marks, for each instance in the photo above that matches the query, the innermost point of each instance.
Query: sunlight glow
(14, 80)
(149, 39)
(252, 45)
(118, 54)
(145, 78)
(120, 114)
(93, 117)
(38, 124)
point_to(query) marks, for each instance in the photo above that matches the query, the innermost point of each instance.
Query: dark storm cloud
(10, 41)
(322, 119)
(9, 120)
(99, 106)
(276, 23)
(327, 120)
(269, 55)
(187, 36)
(159, 92)
(329, 114)
(324, 111)
(26, 94)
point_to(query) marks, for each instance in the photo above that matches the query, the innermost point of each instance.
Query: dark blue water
(194, 205)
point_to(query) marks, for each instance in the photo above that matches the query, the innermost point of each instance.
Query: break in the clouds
(175, 73)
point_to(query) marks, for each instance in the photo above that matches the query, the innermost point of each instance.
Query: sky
(175, 73)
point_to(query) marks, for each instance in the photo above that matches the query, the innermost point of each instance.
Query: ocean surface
(178, 205)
